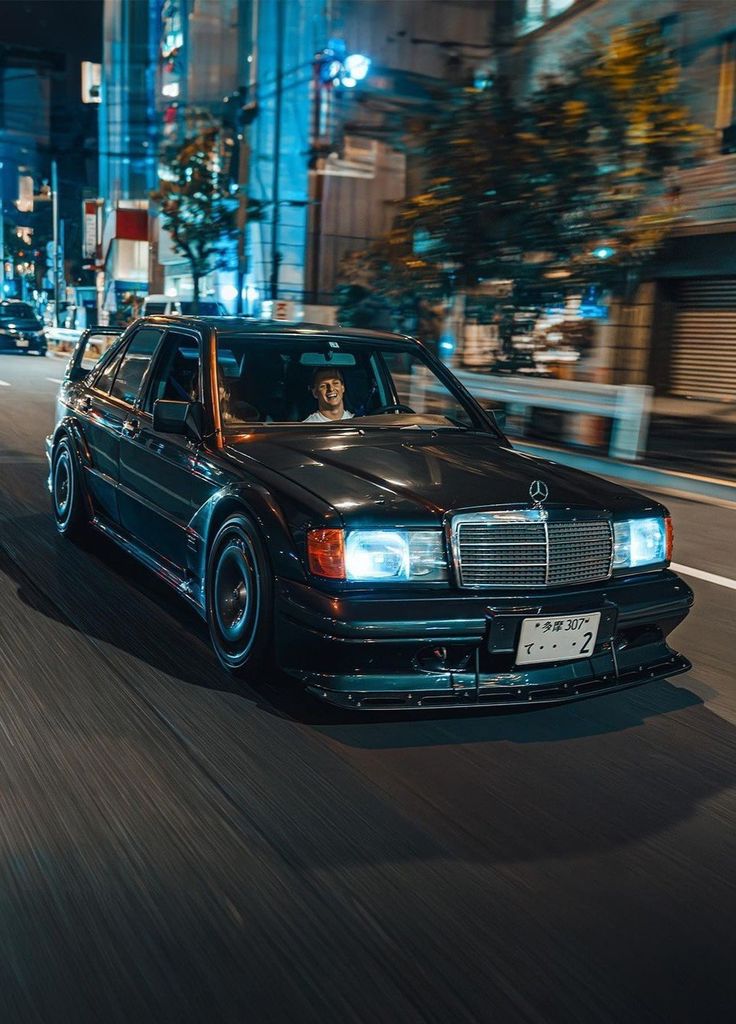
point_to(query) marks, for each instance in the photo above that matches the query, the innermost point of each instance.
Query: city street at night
(172, 848)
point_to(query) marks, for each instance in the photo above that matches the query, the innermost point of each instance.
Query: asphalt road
(172, 849)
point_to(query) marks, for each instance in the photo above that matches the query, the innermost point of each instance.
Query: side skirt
(183, 586)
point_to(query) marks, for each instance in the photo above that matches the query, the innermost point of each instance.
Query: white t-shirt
(317, 417)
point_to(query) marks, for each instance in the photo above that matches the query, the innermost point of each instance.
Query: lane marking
(55, 380)
(709, 577)
(4, 383)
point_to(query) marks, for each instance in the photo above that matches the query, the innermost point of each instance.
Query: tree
(198, 201)
(568, 180)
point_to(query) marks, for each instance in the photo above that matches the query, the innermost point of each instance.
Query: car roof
(238, 325)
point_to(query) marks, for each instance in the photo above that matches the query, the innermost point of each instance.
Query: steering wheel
(391, 407)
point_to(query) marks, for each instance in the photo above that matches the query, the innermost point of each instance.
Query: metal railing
(63, 338)
(627, 406)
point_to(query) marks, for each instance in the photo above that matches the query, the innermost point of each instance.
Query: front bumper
(21, 343)
(369, 650)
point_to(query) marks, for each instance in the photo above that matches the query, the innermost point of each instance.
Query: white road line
(4, 384)
(55, 380)
(709, 577)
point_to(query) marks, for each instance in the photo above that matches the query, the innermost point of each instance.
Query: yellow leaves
(575, 109)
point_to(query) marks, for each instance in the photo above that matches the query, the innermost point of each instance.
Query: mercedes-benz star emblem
(538, 491)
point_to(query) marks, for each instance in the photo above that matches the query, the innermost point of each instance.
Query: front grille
(525, 549)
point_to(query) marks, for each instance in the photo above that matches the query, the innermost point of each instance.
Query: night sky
(70, 26)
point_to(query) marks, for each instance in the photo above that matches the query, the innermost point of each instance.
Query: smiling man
(328, 388)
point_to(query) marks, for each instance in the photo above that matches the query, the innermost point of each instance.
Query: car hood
(388, 473)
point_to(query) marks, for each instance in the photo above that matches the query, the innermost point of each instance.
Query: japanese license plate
(557, 637)
(21, 342)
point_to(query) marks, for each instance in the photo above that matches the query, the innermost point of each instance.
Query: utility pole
(243, 164)
(275, 254)
(55, 229)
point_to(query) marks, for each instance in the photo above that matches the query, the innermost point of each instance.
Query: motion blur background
(541, 190)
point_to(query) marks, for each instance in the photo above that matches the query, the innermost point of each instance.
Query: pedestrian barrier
(63, 339)
(628, 406)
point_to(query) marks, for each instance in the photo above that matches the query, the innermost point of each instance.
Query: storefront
(703, 354)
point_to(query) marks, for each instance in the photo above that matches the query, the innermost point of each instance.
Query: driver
(328, 387)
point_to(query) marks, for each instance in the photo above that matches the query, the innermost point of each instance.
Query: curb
(679, 485)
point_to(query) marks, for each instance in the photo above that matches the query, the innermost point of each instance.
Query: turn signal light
(669, 537)
(326, 553)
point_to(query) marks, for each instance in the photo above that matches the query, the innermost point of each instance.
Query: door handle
(131, 426)
(156, 446)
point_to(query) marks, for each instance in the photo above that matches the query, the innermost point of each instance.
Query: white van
(164, 305)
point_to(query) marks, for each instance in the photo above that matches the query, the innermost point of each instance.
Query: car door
(107, 407)
(161, 485)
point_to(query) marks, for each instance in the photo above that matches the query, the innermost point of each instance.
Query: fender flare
(259, 504)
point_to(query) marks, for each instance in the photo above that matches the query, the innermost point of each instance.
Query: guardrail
(628, 406)
(63, 338)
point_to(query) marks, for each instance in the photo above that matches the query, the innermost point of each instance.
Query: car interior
(264, 385)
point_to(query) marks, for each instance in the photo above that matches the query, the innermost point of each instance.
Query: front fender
(280, 535)
(70, 426)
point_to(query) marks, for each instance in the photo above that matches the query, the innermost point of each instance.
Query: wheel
(240, 600)
(68, 501)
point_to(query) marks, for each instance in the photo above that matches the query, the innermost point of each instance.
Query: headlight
(373, 556)
(641, 542)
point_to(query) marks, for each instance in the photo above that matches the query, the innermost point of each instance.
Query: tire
(240, 600)
(66, 493)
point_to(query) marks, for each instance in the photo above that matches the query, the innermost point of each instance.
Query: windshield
(17, 311)
(326, 382)
(207, 307)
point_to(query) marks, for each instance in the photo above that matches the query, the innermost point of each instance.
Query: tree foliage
(198, 201)
(530, 187)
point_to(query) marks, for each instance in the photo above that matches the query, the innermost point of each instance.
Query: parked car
(403, 556)
(166, 306)
(21, 329)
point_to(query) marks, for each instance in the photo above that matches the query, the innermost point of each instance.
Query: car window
(277, 380)
(415, 386)
(134, 364)
(102, 377)
(175, 376)
(97, 345)
(206, 308)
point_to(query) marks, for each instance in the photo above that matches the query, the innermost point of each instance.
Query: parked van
(164, 305)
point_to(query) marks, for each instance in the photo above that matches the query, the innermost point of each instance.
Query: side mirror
(185, 418)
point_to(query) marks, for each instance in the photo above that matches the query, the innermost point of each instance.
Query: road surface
(173, 849)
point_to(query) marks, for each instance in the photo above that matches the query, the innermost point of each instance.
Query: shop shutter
(703, 361)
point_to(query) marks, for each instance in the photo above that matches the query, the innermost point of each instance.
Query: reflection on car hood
(392, 473)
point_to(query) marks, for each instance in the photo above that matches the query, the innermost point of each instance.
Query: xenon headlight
(642, 542)
(376, 556)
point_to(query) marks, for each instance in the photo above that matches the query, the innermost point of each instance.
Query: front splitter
(477, 695)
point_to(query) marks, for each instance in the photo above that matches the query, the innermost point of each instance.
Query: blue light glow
(357, 66)
(639, 542)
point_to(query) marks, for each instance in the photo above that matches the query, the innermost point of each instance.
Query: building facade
(311, 150)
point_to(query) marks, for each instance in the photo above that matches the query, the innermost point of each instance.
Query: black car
(21, 330)
(402, 556)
